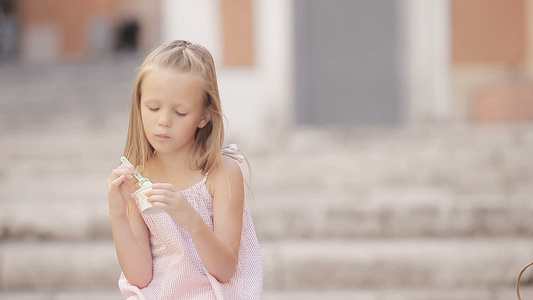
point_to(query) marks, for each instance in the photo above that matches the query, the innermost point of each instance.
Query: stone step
(433, 139)
(69, 217)
(48, 266)
(391, 264)
(401, 294)
(434, 264)
(356, 164)
(476, 145)
(380, 294)
(77, 154)
(378, 155)
(71, 155)
(406, 214)
(89, 91)
(63, 295)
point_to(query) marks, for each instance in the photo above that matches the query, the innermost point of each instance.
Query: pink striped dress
(178, 272)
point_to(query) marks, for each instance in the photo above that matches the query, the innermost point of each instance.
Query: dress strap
(232, 151)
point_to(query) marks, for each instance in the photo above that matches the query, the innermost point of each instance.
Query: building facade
(326, 63)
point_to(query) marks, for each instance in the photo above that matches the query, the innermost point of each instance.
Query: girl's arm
(130, 233)
(218, 250)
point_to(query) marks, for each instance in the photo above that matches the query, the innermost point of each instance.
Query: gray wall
(347, 69)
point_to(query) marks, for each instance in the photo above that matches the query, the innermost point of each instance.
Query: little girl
(203, 243)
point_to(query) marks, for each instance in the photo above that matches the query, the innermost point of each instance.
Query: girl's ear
(206, 117)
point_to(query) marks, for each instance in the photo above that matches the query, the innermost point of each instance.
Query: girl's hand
(119, 189)
(170, 199)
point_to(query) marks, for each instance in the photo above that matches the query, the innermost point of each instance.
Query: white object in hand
(140, 195)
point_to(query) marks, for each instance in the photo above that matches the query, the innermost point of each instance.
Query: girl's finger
(164, 186)
(122, 171)
(161, 205)
(158, 199)
(131, 168)
(156, 191)
(117, 181)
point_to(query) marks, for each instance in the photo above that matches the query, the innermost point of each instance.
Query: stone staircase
(376, 213)
(435, 213)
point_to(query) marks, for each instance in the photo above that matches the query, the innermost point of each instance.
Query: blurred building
(313, 62)
(55, 30)
(492, 70)
(409, 62)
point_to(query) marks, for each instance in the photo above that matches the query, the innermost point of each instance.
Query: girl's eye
(153, 108)
(181, 114)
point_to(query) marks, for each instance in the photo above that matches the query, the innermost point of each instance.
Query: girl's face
(172, 109)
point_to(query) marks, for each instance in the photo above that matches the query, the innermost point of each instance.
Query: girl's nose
(164, 120)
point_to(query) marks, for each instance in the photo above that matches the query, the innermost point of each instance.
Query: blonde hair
(195, 60)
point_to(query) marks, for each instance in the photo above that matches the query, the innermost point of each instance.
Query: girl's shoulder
(227, 170)
(227, 175)
(229, 167)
